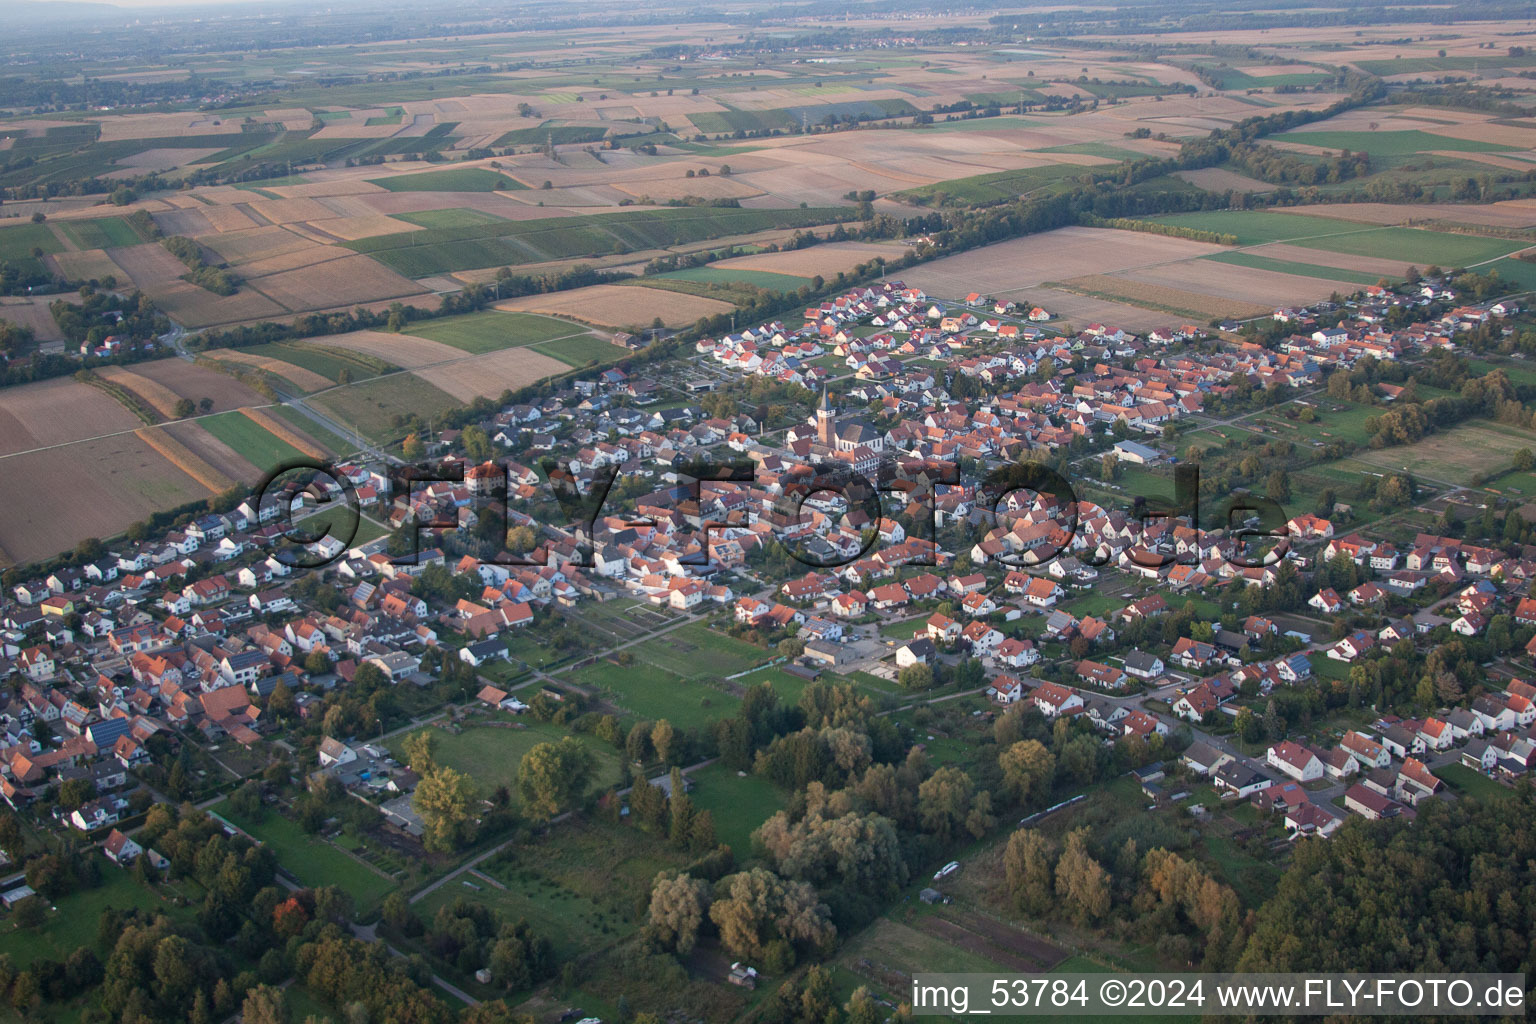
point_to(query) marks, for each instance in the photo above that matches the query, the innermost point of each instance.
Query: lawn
(739, 804)
(1457, 455)
(1473, 783)
(73, 923)
(312, 860)
(701, 652)
(254, 442)
(339, 520)
(376, 408)
(491, 754)
(456, 179)
(649, 691)
(492, 330)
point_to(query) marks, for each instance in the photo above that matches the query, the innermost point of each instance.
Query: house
(919, 651)
(120, 849)
(1006, 690)
(1143, 665)
(1369, 804)
(1296, 761)
(1327, 601)
(1436, 734)
(333, 752)
(1308, 819)
(1202, 758)
(477, 654)
(1196, 703)
(1240, 776)
(1055, 700)
(1367, 751)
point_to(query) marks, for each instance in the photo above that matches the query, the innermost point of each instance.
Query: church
(849, 441)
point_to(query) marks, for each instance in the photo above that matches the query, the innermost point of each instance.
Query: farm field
(492, 330)
(1414, 244)
(374, 408)
(402, 350)
(443, 250)
(99, 234)
(194, 382)
(1010, 269)
(250, 439)
(611, 305)
(580, 350)
(317, 357)
(487, 376)
(457, 179)
(1258, 262)
(57, 411)
(644, 690)
(824, 260)
(771, 280)
(297, 377)
(114, 481)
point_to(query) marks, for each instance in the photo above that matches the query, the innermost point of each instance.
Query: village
(195, 636)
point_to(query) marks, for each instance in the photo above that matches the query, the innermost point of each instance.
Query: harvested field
(237, 247)
(1164, 297)
(157, 396)
(400, 349)
(148, 266)
(487, 376)
(1219, 179)
(57, 411)
(283, 432)
(366, 226)
(1264, 288)
(1007, 268)
(188, 223)
(84, 265)
(224, 459)
(113, 481)
(197, 307)
(713, 187)
(1081, 310)
(287, 211)
(185, 459)
(343, 282)
(188, 380)
(609, 305)
(304, 380)
(34, 313)
(228, 218)
(824, 260)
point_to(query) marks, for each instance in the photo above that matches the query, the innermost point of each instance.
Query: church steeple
(826, 420)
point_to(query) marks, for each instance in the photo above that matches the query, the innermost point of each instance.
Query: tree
(916, 677)
(552, 775)
(75, 792)
(753, 909)
(1027, 867)
(281, 702)
(317, 663)
(412, 449)
(443, 798)
(664, 739)
(1028, 769)
(265, 1004)
(1278, 486)
(947, 802)
(184, 408)
(12, 839)
(30, 912)
(792, 647)
(1081, 882)
(418, 751)
(679, 903)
